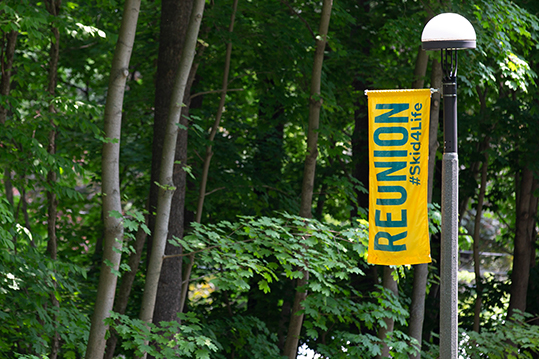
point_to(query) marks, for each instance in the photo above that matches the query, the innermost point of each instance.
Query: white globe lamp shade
(448, 31)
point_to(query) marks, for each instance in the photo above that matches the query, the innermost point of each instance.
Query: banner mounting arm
(432, 90)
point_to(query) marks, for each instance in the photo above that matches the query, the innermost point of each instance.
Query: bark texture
(218, 115)
(174, 19)
(420, 69)
(9, 40)
(421, 271)
(360, 136)
(110, 180)
(435, 82)
(121, 300)
(389, 283)
(207, 160)
(525, 222)
(53, 7)
(476, 243)
(166, 187)
(173, 27)
(307, 188)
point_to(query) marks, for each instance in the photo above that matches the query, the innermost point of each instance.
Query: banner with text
(398, 176)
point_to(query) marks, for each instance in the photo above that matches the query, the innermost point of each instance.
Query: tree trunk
(476, 240)
(421, 271)
(53, 7)
(121, 300)
(167, 164)
(173, 27)
(182, 274)
(360, 136)
(174, 20)
(111, 182)
(420, 69)
(481, 147)
(8, 52)
(8, 49)
(435, 82)
(360, 151)
(307, 188)
(224, 88)
(478, 215)
(209, 154)
(388, 282)
(526, 206)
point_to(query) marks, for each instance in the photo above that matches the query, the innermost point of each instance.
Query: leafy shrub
(28, 318)
(513, 338)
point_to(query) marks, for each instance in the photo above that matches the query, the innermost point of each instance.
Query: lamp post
(449, 32)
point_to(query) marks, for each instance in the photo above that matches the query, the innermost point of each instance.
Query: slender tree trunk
(167, 164)
(315, 106)
(174, 20)
(8, 55)
(224, 88)
(360, 151)
(209, 153)
(420, 69)
(526, 207)
(388, 282)
(121, 300)
(476, 242)
(9, 41)
(178, 277)
(53, 7)
(307, 188)
(479, 212)
(173, 27)
(421, 271)
(435, 82)
(481, 147)
(174, 23)
(111, 182)
(360, 136)
(8, 185)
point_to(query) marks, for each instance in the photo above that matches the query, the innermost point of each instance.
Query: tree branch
(299, 17)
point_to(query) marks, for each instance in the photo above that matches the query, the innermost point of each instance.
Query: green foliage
(435, 218)
(494, 296)
(363, 312)
(346, 345)
(189, 337)
(513, 338)
(6, 223)
(271, 247)
(248, 266)
(244, 337)
(169, 339)
(29, 281)
(269, 250)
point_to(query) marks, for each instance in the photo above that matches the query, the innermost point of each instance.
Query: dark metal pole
(449, 235)
(450, 117)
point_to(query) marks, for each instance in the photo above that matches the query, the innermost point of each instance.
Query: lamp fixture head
(448, 31)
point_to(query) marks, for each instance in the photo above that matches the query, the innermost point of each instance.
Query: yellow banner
(398, 176)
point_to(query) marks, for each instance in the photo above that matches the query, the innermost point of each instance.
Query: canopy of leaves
(250, 250)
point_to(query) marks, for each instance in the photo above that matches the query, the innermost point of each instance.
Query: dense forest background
(187, 178)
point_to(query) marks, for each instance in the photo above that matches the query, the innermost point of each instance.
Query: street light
(449, 32)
